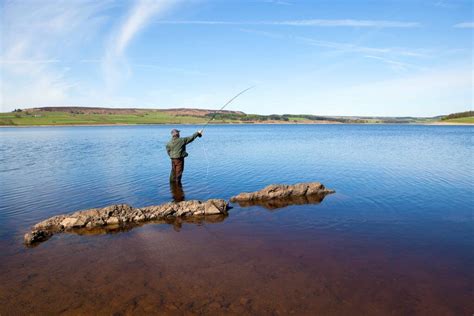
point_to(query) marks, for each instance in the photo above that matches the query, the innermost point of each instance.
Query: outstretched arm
(189, 139)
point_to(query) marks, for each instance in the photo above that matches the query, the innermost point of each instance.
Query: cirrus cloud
(464, 25)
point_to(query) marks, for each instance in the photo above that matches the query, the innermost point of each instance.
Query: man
(176, 149)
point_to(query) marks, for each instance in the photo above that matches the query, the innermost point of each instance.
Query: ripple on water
(395, 238)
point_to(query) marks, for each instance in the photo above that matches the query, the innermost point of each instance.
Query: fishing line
(228, 102)
(207, 167)
(207, 123)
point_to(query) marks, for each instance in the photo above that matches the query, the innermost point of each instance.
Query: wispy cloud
(36, 38)
(42, 39)
(278, 2)
(395, 65)
(464, 25)
(58, 52)
(386, 55)
(350, 23)
(434, 89)
(168, 69)
(28, 61)
(311, 22)
(114, 63)
(349, 47)
(448, 4)
(263, 33)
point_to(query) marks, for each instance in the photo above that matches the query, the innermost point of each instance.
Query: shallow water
(396, 238)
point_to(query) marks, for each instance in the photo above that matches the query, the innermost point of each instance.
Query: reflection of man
(176, 149)
(177, 191)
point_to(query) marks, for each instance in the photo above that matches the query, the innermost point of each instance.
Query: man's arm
(189, 139)
(168, 149)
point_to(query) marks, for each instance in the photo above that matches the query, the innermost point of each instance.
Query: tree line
(458, 115)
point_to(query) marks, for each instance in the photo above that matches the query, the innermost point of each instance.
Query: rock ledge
(280, 195)
(122, 214)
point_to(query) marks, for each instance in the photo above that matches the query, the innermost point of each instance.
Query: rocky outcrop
(122, 215)
(281, 195)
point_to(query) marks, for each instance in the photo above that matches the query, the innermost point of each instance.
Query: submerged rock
(121, 215)
(281, 195)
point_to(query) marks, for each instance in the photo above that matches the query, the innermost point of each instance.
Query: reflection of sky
(392, 173)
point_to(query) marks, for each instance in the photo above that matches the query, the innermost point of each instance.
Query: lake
(396, 238)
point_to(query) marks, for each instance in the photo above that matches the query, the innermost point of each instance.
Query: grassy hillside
(461, 117)
(464, 120)
(110, 116)
(64, 118)
(458, 115)
(101, 116)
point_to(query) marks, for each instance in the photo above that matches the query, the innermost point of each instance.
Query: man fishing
(176, 149)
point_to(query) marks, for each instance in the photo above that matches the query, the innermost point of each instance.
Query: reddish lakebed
(232, 267)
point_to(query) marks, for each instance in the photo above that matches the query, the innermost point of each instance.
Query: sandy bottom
(229, 269)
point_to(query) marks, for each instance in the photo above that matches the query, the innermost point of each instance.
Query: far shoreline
(101, 116)
(250, 124)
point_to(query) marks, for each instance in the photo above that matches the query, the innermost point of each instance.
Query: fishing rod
(228, 102)
(212, 117)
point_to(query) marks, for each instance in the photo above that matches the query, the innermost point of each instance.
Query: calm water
(396, 238)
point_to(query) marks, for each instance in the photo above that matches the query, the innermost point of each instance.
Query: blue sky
(394, 58)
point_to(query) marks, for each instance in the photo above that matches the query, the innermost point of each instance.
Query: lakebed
(396, 237)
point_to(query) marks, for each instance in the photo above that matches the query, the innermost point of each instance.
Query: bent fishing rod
(228, 102)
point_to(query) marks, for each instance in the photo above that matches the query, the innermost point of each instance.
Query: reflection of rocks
(280, 195)
(122, 215)
(209, 219)
(176, 222)
(278, 203)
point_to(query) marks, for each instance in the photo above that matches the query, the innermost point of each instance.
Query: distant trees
(277, 117)
(17, 112)
(458, 115)
(247, 117)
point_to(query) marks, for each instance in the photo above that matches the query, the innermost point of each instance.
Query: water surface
(396, 238)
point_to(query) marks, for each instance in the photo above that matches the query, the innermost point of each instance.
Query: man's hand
(200, 132)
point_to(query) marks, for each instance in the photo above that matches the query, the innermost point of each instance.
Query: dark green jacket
(176, 147)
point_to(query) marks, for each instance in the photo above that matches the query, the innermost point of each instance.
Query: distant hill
(458, 115)
(466, 117)
(77, 115)
(100, 110)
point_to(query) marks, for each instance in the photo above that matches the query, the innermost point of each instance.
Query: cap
(174, 131)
